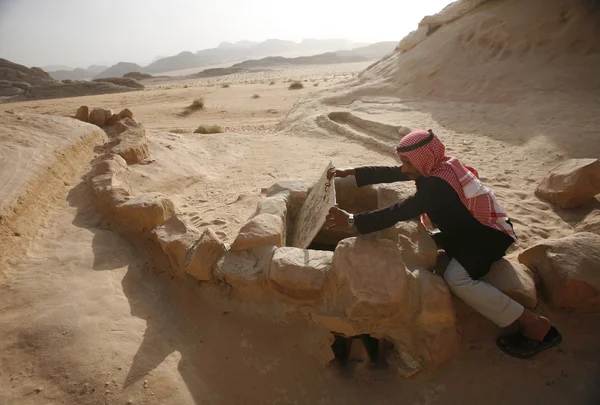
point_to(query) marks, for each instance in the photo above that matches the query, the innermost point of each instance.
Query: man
(474, 231)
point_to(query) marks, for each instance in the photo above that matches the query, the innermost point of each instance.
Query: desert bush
(225, 85)
(296, 85)
(208, 129)
(179, 131)
(256, 96)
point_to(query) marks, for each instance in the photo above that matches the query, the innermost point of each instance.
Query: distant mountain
(242, 50)
(50, 68)
(77, 73)
(237, 45)
(119, 70)
(361, 54)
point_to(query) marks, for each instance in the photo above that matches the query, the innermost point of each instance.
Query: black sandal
(522, 347)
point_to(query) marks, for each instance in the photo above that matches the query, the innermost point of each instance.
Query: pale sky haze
(78, 33)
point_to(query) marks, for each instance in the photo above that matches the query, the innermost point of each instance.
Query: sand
(89, 317)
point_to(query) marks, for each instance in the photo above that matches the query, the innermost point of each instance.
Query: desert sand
(89, 316)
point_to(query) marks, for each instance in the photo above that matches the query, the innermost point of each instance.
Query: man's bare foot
(534, 326)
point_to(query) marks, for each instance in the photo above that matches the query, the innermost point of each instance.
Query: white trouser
(481, 296)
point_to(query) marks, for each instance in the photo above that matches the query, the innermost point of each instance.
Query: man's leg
(481, 296)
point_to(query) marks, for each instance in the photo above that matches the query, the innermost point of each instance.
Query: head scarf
(428, 155)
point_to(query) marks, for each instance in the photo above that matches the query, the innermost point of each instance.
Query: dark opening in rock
(361, 349)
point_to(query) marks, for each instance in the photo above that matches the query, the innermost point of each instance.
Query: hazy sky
(79, 33)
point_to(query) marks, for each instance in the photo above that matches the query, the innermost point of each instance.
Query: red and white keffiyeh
(431, 160)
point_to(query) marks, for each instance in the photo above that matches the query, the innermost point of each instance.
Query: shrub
(179, 131)
(316, 84)
(256, 96)
(197, 104)
(271, 83)
(225, 85)
(296, 85)
(208, 129)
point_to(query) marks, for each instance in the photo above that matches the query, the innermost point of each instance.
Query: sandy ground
(88, 318)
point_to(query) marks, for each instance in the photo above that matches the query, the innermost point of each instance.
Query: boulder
(275, 205)
(245, 271)
(571, 184)
(125, 113)
(352, 198)
(98, 117)
(335, 323)
(133, 146)
(143, 213)
(390, 194)
(514, 280)
(111, 164)
(296, 192)
(263, 229)
(127, 124)
(591, 223)
(110, 190)
(204, 255)
(371, 278)
(299, 273)
(177, 236)
(83, 113)
(569, 269)
(112, 120)
(418, 247)
(435, 333)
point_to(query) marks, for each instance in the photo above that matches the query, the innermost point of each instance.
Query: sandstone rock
(390, 194)
(413, 39)
(125, 113)
(335, 323)
(127, 124)
(352, 198)
(418, 247)
(110, 191)
(112, 120)
(245, 271)
(591, 223)
(82, 113)
(8, 90)
(177, 236)
(514, 280)
(569, 269)
(263, 229)
(111, 164)
(275, 205)
(204, 255)
(373, 283)
(572, 183)
(133, 147)
(98, 117)
(144, 213)
(436, 334)
(299, 273)
(296, 190)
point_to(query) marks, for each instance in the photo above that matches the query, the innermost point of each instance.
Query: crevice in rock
(361, 349)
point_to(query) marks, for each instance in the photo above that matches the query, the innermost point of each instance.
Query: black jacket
(474, 245)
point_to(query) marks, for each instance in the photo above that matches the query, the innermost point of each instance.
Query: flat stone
(299, 273)
(314, 211)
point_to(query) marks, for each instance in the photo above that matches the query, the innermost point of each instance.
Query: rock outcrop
(569, 269)
(204, 256)
(263, 229)
(591, 223)
(300, 273)
(571, 184)
(177, 236)
(514, 280)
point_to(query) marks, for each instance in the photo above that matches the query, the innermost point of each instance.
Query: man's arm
(378, 174)
(373, 221)
(377, 220)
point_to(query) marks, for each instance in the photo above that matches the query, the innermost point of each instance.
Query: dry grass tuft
(208, 129)
(296, 85)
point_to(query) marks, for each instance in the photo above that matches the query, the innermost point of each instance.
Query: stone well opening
(350, 198)
(363, 349)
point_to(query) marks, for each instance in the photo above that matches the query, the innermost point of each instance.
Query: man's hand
(334, 172)
(337, 218)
